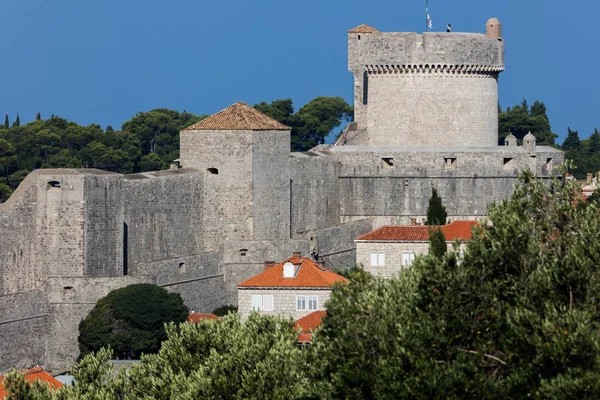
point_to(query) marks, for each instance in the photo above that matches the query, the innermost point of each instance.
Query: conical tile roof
(239, 116)
(364, 28)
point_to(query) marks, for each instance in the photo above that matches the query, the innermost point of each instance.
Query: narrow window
(373, 258)
(125, 248)
(313, 303)
(243, 252)
(181, 267)
(213, 171)
(549, 164)
(365, 88)
(257, 302)
(407, 259)
(449, 162)
(300, 303)
(54, 184)
(267, 302)
(388, 161)
(358, 37)
(381, 258)
(508, 162)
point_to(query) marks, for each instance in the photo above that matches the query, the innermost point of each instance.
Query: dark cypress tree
(38, 116)
(594, 142)
(437, 243)
(436, 212)
(6, 124)
(572, 141)
(17, 121)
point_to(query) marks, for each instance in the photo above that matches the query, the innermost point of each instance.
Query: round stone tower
(430, 89)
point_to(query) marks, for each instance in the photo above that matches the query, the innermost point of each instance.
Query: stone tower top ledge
(369, 47)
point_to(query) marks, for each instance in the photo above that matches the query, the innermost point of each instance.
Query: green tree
(6, 122)
(38, 116)
(437, 243)
(17, 122)
(572, 141)
(130, 320)
(517, 318)
(224, 310)
(521, 119)
(5, 192)
(594, 142)
(436, 212)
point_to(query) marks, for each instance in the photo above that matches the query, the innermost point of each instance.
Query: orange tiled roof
(310, 322)
(364, 28)
(33, 374)
(310, 274)
(419, 233)
(196, 317)
(239, 116)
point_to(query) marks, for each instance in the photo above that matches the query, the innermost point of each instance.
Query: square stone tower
(244, 155)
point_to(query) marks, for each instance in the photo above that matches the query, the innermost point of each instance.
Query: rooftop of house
(308, 324)
(196, 317)
(460, 230)
(239, 116)
(297, 271)
(33, 374)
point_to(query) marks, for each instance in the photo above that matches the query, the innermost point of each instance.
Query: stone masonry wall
(163, 216)
(432, 109)
(271, 185)
(227, 196)
(104, 208)
(284, 301)
(314, 193)
(393, 255)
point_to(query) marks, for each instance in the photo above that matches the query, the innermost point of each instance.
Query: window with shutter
(256, 302)
(300, 303)
(373, 258)
(313, 303)
(267, 302)
(381, 258)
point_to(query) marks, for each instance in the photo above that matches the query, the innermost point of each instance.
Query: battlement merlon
(428, 50)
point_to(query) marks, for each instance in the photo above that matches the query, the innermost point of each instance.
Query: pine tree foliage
(436, 212)
(437, 243)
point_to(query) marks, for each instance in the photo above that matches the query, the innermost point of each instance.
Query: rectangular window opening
(313, 303)
(508, 162)
(388, 161)
(549, 164)
(256, 302)
(407, 259)
(449, 162)
(267, 302)
(300, 303)
(377, 258)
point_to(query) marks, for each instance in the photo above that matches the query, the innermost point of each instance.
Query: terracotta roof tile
(419, 233)
(310, 274)
(196, 317)
(33, 374)
(364, 28)
(239, 116)
(310, 322)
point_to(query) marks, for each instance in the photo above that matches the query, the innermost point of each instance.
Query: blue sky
(102, 61)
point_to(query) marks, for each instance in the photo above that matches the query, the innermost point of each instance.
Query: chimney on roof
(269, 264)
(289, 270)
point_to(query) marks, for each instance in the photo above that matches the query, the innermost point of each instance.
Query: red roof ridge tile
(458, 229)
